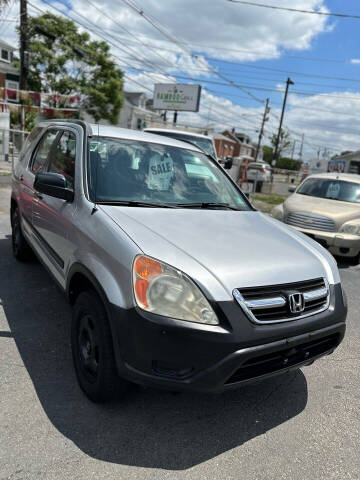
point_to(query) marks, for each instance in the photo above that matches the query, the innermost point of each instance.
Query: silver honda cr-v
(175, 280)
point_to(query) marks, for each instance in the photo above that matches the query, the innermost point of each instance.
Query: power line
(314, 109)
(237, 50)
(183, 46)
(289, 72)
(296, 10)
(129, 78)
(263, 89)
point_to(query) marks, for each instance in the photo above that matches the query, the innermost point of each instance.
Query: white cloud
(355, 61)
(255, 33)
(245, 33)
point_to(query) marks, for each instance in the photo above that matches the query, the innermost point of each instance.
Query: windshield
(332, 189)
(205, 144)
(127, 170)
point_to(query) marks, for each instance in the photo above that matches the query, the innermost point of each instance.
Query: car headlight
(164, 290)
(351, 227)
(278, 212)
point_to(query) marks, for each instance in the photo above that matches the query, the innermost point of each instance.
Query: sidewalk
(5, 173)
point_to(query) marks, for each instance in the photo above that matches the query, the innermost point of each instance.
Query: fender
(79, 268)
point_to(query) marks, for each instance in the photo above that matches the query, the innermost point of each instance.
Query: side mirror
(54, 185)
(228, 164)
(292, 189)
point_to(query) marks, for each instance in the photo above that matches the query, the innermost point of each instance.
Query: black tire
(92, 350)
(20, 247)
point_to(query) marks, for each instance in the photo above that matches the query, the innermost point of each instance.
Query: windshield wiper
(135, 203)
(207, 205)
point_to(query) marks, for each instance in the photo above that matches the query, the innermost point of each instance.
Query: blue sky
(242, 44)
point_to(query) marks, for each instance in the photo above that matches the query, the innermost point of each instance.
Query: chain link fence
(11, 143)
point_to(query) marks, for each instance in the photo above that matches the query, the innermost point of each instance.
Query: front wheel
(92, 350)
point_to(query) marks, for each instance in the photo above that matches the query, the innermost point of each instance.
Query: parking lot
(301, 425)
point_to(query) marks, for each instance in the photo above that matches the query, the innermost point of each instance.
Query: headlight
(278, 212)
(161, 289)
(351, 227)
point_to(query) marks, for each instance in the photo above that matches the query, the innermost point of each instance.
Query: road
(301, 425)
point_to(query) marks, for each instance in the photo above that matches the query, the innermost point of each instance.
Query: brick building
(224, 146)
(243, 147)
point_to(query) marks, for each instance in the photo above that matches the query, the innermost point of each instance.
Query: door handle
(38, 195)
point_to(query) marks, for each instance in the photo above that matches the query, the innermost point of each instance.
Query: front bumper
(343, 244)
(171, 354)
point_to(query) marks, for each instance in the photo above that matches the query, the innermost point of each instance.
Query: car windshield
(133, 171)
(331, 189)
(205, 144)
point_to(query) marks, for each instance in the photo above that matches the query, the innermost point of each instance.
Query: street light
(288, 83)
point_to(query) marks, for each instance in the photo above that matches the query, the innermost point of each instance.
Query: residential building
(9, 75)
(243, 147)
(224, 145)
(135, 112)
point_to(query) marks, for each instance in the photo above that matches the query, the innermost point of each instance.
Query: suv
(140, 231)
(204, 142)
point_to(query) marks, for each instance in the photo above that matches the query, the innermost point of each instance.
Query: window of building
(5, 55)
(63, 159)
(12, 90)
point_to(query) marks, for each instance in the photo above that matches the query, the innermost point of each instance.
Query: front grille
(284, 359)
(310, 221)
(272, 304)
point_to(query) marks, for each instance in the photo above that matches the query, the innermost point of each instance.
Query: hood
(339, 212)
(237, 249)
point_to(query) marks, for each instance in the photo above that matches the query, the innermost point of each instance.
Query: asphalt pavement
(302, 425)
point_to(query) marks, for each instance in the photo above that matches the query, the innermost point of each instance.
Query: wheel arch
(80, 279)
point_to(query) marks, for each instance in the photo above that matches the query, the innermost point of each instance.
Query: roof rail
(85, 125)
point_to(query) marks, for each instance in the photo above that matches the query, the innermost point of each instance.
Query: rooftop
(7, 45)
(347, 177)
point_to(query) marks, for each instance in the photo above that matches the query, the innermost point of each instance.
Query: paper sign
(161, 170)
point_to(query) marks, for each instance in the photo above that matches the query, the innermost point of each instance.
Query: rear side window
(42, 153)
(63, 158)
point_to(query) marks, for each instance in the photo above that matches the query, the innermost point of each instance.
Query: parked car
(205, 142)
(326, 207)
(153, 245)
(259, 172)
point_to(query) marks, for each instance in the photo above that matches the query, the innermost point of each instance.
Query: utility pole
(265, 119)
(293, 150)
(301, 148)
(288, 83)
(24, 54)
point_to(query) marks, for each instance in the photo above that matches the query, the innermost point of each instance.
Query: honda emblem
(296, 302)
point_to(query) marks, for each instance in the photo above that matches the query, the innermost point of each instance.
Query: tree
(284, 142)
(268, 154)
(288, 164)
(65, 61)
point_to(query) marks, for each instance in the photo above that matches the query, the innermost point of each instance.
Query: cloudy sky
(240, 54)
